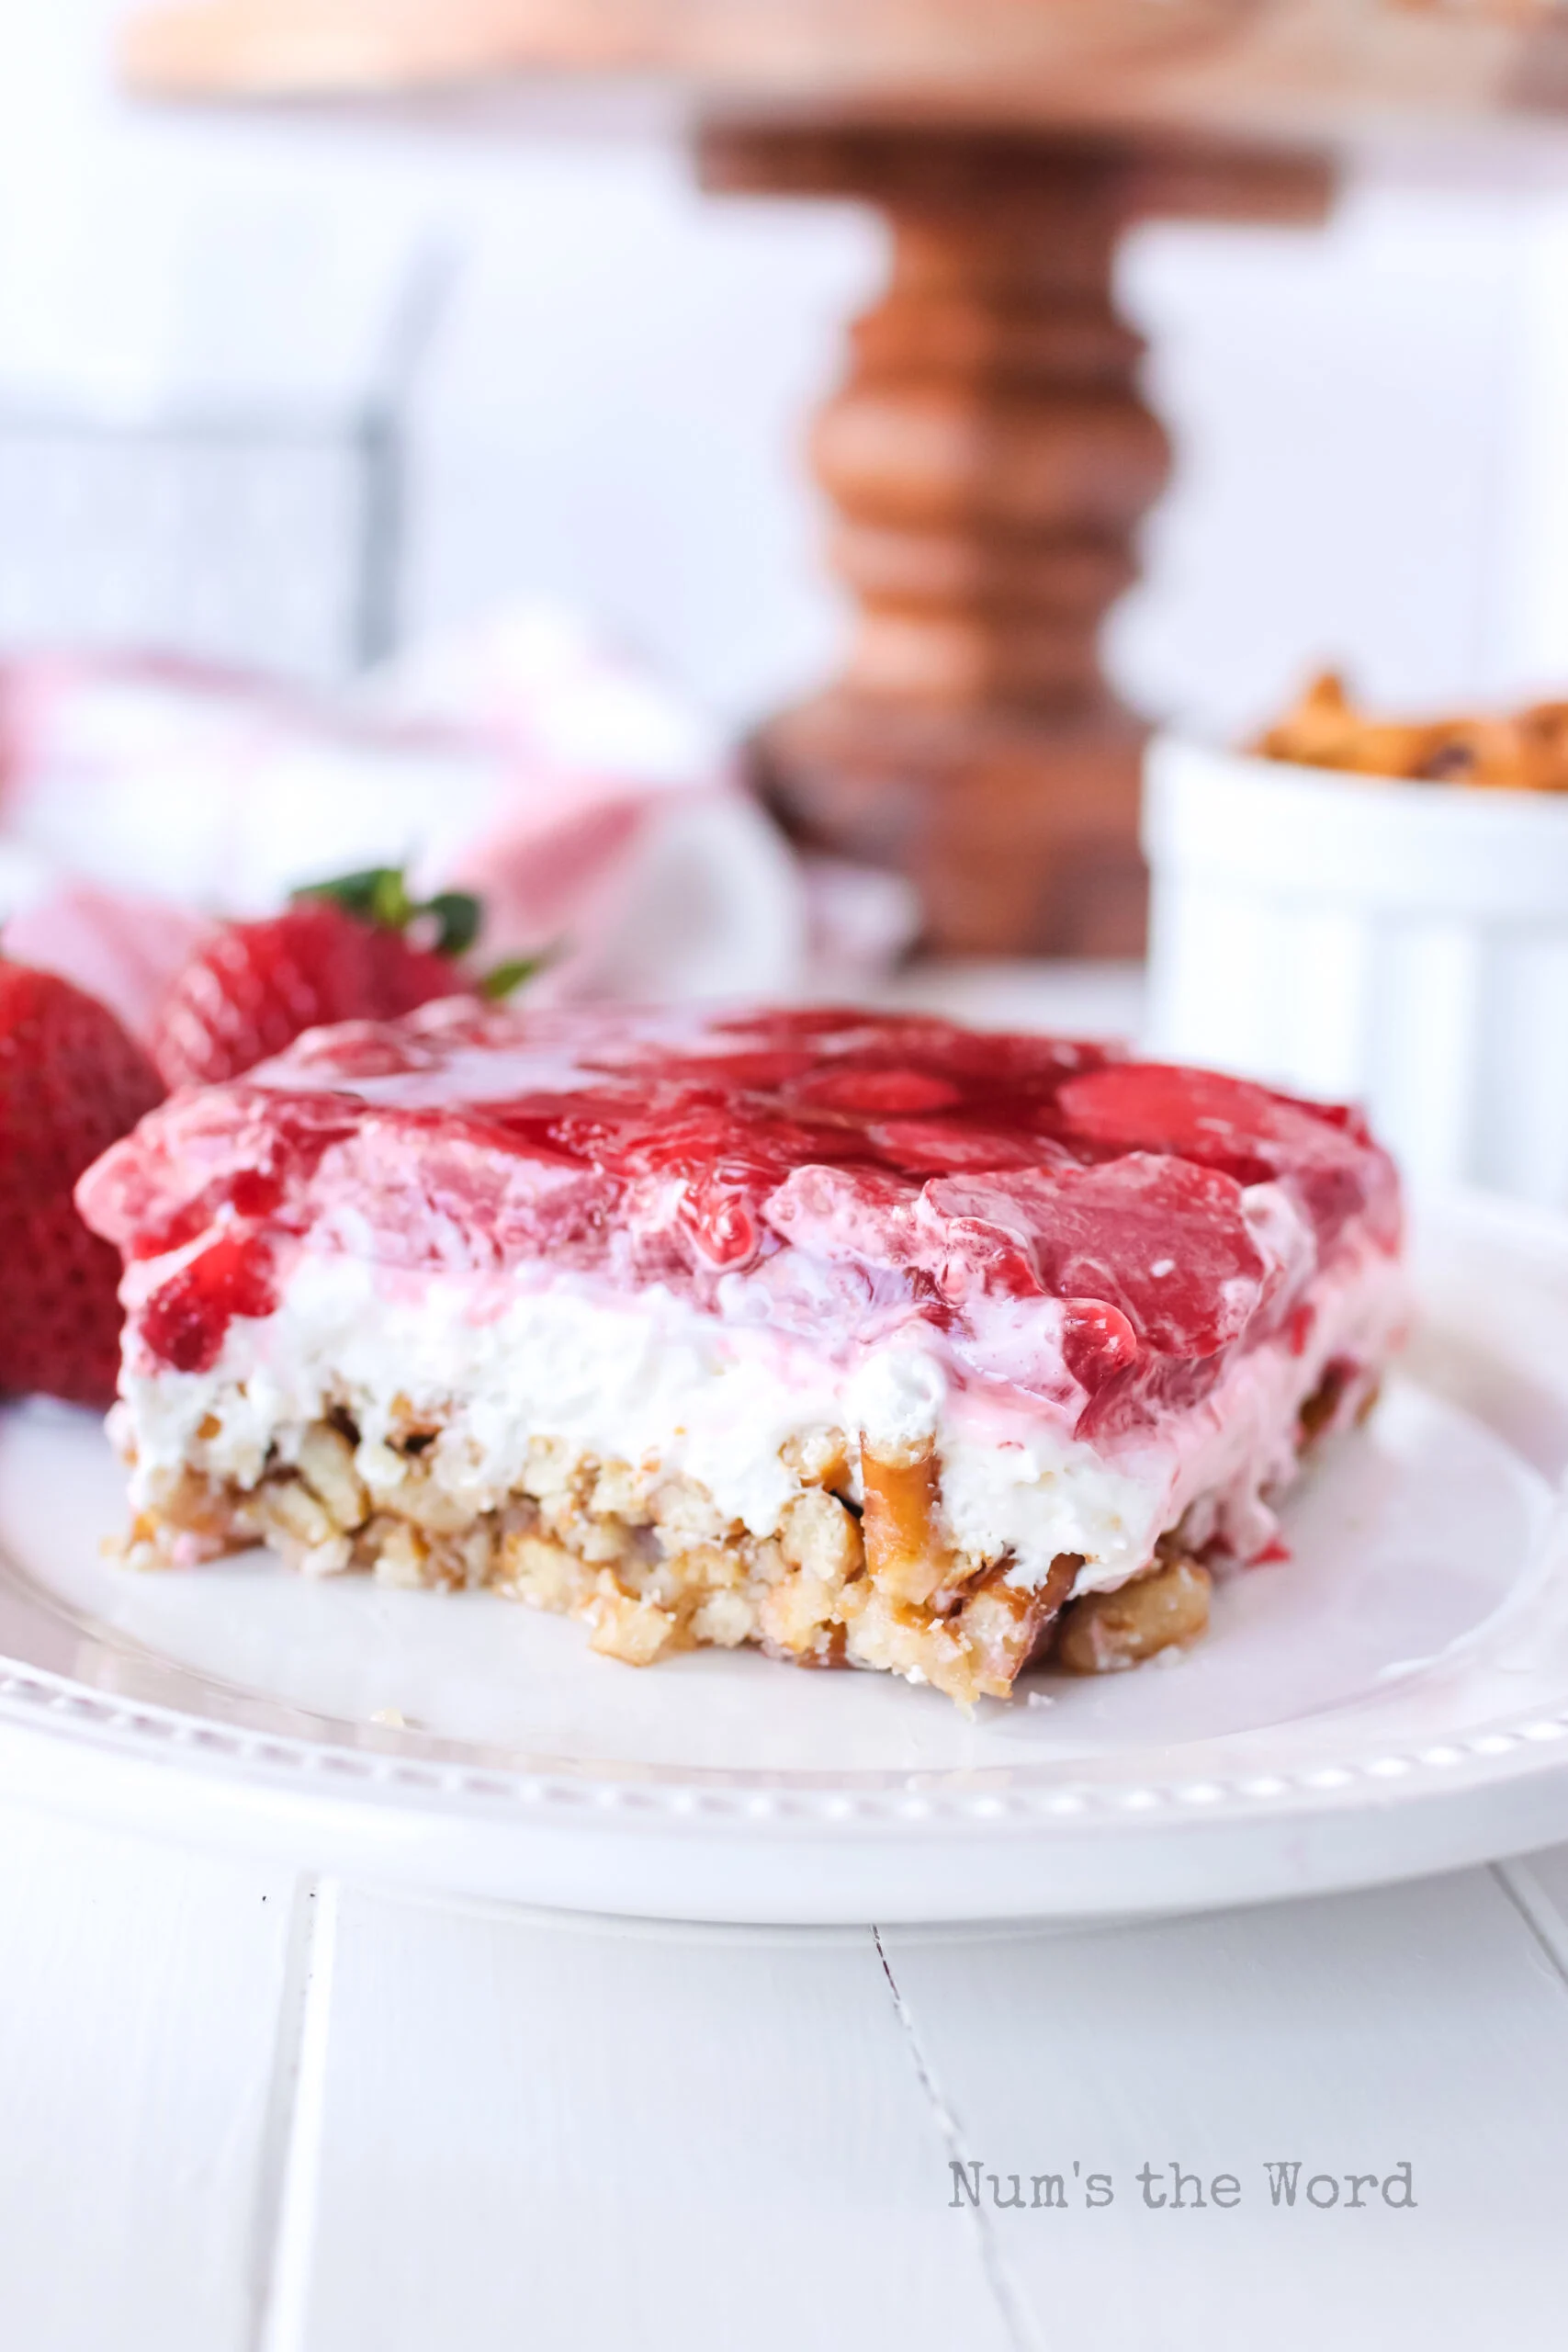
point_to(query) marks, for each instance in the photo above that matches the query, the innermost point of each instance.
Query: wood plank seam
(290, 2156)
(1010, 2308)
(1546, 1929)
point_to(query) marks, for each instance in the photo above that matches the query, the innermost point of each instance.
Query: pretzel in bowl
(1526, 749)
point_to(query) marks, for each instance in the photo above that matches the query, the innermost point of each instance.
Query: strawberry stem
(459, 916)
(364, 893)
(503, 978)
(390, 905)
(380, 894)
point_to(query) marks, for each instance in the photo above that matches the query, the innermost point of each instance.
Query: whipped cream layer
(652, 1380)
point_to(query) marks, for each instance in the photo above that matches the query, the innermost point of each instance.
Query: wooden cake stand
(989, 454)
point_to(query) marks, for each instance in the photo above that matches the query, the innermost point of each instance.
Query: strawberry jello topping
(1096, 1232)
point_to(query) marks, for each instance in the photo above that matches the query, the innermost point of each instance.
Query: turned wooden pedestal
(988, 458)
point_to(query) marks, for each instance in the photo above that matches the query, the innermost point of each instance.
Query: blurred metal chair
(268, 534)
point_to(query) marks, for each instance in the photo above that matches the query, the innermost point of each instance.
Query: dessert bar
(869, 1339)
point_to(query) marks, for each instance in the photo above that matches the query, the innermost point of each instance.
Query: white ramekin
(1405, 945)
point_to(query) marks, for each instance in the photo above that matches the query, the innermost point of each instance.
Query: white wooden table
(246, 2112)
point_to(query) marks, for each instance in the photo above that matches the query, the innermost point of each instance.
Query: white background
(1368, 418)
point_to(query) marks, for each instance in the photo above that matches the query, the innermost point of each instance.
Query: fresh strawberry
(71, 1082)
(341, 953)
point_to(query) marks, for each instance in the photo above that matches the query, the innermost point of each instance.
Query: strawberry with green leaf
(71, 1082)
(356, 949)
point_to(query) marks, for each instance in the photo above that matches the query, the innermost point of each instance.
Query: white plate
(1393, 1700)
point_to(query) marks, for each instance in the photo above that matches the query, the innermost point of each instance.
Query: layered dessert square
(873, 1340)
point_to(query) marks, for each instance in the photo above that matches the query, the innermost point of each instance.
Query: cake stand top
(1335, 70)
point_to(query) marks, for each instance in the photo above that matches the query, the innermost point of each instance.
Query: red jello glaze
(1100, 1347)
(938, 1166)
(1165, 1242)
(1321, 1152)
(222, 1152)
(878, 1092)
(1151, 1257)
(183, 1323)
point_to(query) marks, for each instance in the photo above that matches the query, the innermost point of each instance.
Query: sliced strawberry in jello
(1321, 1152)
(1098, 1344)
(877, 1094)
(184, 1322)
(1163, 1242)
(935, 1146)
